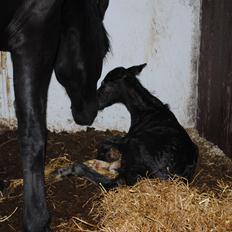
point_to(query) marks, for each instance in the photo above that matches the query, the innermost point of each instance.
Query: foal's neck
(140, 102)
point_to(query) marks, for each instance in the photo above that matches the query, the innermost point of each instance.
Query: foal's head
(83, 46)
(117, 83)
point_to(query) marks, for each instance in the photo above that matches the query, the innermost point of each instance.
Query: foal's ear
(136, 70)
(102, 6)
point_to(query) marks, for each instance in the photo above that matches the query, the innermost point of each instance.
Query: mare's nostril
(84, 118)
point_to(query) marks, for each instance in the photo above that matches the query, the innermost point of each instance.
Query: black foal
(156, 146)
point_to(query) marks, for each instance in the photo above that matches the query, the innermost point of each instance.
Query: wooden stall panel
(215, 74)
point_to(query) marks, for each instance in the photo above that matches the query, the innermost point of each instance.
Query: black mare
(156, 146)
(67, 36)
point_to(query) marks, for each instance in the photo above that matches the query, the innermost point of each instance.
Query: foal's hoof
(63, 172)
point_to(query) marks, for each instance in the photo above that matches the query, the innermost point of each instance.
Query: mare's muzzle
(86, 115)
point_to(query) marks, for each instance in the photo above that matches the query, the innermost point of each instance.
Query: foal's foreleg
(104, 151)
(81, 170)
(31, 80)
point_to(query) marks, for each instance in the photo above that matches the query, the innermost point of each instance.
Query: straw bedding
(171, 206)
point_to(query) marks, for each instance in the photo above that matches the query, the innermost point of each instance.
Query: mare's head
(116, 84)
(83, 46)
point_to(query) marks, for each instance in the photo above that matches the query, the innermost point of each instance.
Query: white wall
(7, 114)
(163, 33)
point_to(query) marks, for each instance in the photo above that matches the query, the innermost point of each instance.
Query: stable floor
(74, 202)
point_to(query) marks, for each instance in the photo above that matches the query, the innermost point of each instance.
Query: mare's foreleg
(31, 79)
(33, 45)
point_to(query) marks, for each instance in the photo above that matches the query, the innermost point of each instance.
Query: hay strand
(5, 218)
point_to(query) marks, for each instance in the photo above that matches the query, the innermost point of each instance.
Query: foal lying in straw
(156, 146)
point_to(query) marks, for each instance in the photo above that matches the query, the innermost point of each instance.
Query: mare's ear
(102, 6)
(136, 70)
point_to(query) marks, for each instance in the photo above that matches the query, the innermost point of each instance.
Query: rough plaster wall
(166, 35)
(163, 33)
(7, 114)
